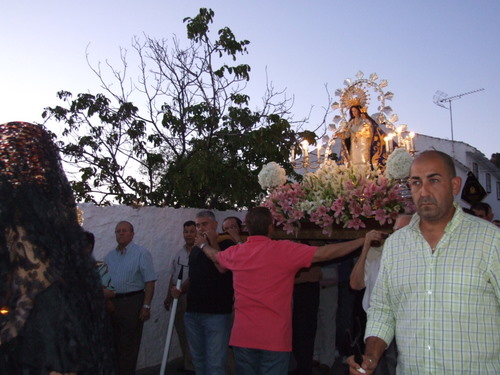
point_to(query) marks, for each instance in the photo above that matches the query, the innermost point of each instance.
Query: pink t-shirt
(263, 280)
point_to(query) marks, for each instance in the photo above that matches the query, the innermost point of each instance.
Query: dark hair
(372, 121)
(90, 240)
(468, 211)
(482, 206)
(350, 110)
(447, 160)
(258, 220)
(237, 219)
(189, 223)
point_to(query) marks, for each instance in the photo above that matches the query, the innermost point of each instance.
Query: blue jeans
(260, 362)
(208, 338)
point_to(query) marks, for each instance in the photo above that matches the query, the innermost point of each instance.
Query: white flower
(328, 181)
(398, 164)
(272, 175)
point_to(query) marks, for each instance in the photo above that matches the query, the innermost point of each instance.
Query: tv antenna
(441, 98)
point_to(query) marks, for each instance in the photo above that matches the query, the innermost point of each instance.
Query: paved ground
(173, 369)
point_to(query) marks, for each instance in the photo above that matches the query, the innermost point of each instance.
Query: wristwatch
(146, 306)
(203, 245)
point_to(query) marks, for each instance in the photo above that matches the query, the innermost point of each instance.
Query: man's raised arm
(338, 250)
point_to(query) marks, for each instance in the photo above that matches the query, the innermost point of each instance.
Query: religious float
(365, 188)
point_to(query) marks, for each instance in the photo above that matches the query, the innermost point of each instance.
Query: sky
(419, 47)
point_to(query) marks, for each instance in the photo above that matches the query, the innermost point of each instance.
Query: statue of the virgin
(362, 140)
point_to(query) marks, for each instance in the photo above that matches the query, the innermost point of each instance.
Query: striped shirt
(443, 307)
(131, 269)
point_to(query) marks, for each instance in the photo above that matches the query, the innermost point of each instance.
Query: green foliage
(196, 143)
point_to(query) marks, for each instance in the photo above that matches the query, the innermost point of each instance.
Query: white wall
(160, 231)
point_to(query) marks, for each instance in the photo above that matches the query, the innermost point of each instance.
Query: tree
(495, 159)
(197, 143)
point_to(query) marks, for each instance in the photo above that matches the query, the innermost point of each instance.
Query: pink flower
(348, 185)
(367, 210)
(338, 206)
(355, 208)
(288, 228)
(359, 195)
(380, 216)
(283, 202)
(355, 223)
(370, 189)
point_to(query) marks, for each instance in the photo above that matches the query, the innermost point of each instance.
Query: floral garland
(345, 195)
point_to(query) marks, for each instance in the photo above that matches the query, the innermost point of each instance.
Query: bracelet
(146, 306)
(203, 245)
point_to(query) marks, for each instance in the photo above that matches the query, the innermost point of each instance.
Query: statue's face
(355, 112)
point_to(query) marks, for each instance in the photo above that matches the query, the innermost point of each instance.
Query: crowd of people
(247, 304)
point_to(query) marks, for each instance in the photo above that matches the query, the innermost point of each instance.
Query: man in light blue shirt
(131, 269)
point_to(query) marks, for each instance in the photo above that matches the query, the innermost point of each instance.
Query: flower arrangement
(271, 175)
(345, 195)
(284, 202)
(398, 164)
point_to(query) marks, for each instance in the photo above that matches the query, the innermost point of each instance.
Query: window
(475, 170)
(488, 183)
(498, 191)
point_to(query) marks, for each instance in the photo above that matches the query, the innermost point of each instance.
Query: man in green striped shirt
(438, 291)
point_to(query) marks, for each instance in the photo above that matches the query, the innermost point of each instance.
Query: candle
(412, 144)
(318, 149)
(398, 131)
(386, 139)
(292, 157)
(305, 148)
(391, 144)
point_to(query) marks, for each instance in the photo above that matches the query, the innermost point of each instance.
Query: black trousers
(304, 322)
(127, 332)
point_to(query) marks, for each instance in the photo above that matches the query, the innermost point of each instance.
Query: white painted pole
(170, 330)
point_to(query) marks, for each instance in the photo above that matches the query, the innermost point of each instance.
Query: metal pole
(170, 329)
(440, 98)
(452, 139)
